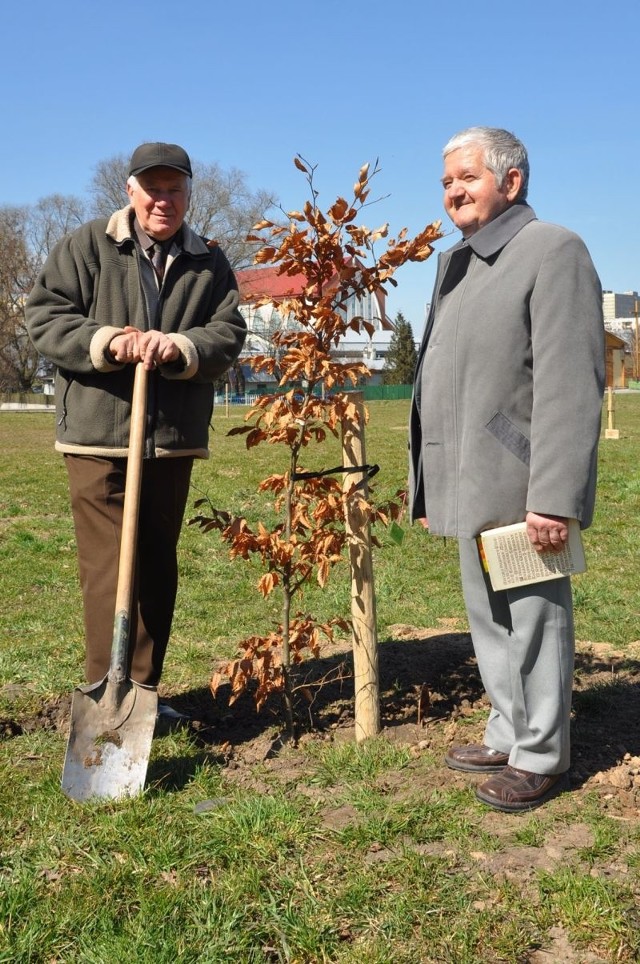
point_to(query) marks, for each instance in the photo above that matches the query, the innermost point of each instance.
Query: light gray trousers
(524, 643)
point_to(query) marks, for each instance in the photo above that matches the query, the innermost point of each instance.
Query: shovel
(112, 721)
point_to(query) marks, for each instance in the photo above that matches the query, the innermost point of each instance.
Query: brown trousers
(96, 487)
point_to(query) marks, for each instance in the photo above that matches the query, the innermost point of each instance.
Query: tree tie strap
(369, 470)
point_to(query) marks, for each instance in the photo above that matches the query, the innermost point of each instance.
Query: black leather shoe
(515, 790)
(476, 759)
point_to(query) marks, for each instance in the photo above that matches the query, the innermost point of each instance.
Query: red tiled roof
(257, 283)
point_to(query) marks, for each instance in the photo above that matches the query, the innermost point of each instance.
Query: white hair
(501, 150)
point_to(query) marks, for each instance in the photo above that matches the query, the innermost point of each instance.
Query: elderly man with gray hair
(140, 287)
(505, 422)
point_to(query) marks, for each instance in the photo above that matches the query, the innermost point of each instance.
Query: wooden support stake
(610, 431)
(363, 600)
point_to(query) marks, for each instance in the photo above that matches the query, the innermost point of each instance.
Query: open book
(511, 560)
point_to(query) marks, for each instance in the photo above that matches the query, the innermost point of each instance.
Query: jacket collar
(120, 229)
(484, 243)
(497, 233)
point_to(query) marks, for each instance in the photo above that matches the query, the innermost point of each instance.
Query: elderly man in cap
(140, 286)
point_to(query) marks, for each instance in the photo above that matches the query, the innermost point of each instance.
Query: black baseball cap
(159, 155)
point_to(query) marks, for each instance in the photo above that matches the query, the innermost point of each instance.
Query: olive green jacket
(91, 287)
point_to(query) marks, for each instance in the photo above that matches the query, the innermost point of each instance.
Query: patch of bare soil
(431, 697)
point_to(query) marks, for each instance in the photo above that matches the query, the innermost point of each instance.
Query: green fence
(372, 393)
(385, 393)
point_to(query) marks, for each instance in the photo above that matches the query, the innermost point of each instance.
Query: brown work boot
(515, 790)
(476, 759)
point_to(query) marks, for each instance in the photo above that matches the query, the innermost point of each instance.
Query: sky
(251, 84)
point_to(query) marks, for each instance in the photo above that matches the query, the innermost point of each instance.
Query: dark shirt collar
(497, 233)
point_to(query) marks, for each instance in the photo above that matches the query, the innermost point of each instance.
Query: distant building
(256, 284)
(618, 361)
(623, 327)
(619, 304)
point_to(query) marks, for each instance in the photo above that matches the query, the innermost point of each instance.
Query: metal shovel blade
(112, 726)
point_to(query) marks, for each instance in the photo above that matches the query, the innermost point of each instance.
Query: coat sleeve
(59, 308)
(210, 349)
(567, 337)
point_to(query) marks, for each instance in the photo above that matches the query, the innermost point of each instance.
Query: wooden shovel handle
(126, 566)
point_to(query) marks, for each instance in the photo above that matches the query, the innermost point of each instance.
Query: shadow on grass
(606, 707)
(606, 714)
(444, 664)
(172, 773)
(606, 702)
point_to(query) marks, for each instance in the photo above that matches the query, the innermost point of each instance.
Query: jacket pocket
(510, 436)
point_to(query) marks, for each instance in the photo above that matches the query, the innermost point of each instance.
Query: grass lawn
(327, 851)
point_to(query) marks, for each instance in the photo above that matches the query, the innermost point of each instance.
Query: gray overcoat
(506, 409)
